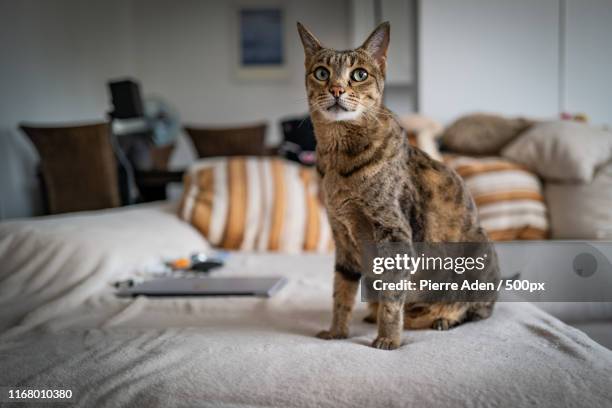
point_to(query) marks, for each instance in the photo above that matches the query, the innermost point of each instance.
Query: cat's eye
(321, 73)
(359, 75)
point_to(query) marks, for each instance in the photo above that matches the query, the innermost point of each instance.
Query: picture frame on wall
(260, 41)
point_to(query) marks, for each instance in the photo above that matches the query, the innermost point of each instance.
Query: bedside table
(152, 183)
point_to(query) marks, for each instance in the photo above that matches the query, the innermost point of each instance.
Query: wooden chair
(78, 166)
(238, 141)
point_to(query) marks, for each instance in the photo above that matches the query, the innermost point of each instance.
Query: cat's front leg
(346, 282)
(390, 324)
(390, 227)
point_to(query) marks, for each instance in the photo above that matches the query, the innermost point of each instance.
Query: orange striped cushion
(256, 203)
(509, 197)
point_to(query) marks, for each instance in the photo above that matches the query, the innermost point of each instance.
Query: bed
(62, 326)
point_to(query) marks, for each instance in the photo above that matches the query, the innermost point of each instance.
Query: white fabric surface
(62, 325)
(598, 331)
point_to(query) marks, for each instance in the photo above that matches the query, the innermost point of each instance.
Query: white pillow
(51, 265)
(562, 150)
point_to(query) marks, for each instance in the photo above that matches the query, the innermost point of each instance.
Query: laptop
(206, 286)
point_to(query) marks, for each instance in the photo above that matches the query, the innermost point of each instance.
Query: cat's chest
(336, 186)
(343, 197)
(364, 186)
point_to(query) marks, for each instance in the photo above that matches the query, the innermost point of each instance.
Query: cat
(378, 188)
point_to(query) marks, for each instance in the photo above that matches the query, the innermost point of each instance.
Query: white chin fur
(342, 115)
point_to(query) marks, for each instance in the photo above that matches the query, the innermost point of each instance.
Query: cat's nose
(336, 90)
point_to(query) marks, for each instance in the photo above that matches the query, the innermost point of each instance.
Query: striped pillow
(509, 198)
(256, 203)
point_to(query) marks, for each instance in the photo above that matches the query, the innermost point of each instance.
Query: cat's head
(345, 85)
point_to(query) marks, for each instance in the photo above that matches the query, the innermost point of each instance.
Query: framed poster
(261, 52)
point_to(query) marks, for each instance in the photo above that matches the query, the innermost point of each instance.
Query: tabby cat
(377, 187)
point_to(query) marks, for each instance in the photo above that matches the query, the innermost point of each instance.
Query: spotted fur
(377, 187)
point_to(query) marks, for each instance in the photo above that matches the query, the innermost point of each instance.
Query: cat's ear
(377, 43)
(309, 41)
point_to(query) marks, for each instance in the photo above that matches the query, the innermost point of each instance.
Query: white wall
(400, 88)
(588, 59)
(184, 51)
(55, 59)
(57, 56)
(536, 58)
(495, 55)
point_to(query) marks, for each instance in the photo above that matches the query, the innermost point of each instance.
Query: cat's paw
(331, 335)
(386, 343)
(441, 324)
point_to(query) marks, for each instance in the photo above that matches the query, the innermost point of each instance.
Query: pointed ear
(377, 43)
(309, 41)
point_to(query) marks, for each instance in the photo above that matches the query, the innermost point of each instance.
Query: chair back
(78, 166)
(237, 141)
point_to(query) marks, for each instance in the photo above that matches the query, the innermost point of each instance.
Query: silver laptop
(206, 286)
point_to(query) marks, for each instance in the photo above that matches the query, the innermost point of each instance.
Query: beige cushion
(256, 204)
(582, 211)
(562, 150)
(508, 197)
(482, 133)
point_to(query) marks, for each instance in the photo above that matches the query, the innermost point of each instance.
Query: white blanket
(63, 327)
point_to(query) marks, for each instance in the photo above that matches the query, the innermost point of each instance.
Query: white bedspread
(62, 326)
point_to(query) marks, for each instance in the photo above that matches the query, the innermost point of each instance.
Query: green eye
(359, 74)
(322, 74)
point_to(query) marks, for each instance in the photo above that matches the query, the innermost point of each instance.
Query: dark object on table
(126, 99)
(78, 166)
(299, 143)
(238, 141)
(201, 262)
(206, 266)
